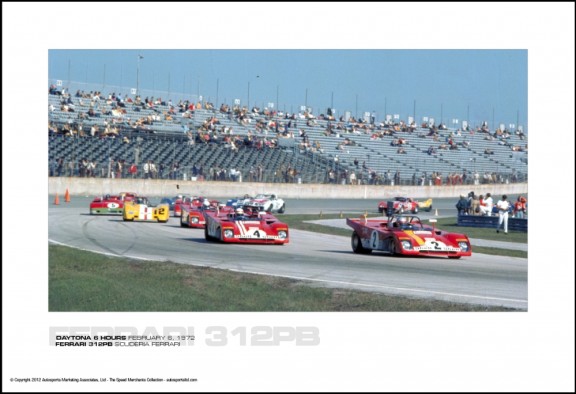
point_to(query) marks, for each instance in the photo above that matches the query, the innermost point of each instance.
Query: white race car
(268, 203)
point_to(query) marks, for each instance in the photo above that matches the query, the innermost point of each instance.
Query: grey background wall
(168, 187)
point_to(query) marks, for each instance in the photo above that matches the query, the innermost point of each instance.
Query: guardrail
(491, 222)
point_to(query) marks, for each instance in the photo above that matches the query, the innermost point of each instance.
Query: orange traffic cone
(67, 196)
(56, 200)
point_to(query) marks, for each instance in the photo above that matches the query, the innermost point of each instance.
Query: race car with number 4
(236, 226)
(141, 209)
(406, 235)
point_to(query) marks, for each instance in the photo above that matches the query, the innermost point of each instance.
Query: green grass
(85, 281)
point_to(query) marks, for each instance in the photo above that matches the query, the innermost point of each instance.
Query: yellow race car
(425, 205)
(141, 209)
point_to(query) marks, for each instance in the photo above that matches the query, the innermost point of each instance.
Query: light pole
(493, 125)
(138, 75)
(441, 114)
(257, 76)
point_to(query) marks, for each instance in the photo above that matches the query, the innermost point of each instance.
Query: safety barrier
(491, 222)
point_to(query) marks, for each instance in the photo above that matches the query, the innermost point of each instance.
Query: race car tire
(207, 236)
(162, 221)
(415, 210)
(182, 221)
(128, 220)
(357, 245)
(392, 247)
(282, 209)
(429, 208)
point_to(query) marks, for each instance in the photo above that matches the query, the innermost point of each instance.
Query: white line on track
(104, 253)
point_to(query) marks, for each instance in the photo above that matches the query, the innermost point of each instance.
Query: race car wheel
(415, 210)
(207, 236)
(182, 221)
(429, 208)
(128, 220)
(392, 247)
(357, 245)
(282, 209)
(162, 221)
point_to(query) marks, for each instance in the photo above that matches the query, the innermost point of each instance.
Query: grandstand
(207, 143)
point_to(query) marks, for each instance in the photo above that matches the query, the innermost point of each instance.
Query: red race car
(400, 205)
(110, 205)
(406, 235)
(193, 213)
(179, 201)
(239, 226)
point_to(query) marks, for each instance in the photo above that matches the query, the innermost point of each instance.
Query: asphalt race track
(324, 260)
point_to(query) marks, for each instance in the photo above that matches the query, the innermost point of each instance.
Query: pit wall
(169, 187)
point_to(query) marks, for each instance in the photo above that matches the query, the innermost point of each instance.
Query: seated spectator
(520, 207)
(475, 206)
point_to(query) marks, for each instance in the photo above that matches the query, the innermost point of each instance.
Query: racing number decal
(113, 205)
(161, 211)
(434, 244)
(374, 240)
(252, 232)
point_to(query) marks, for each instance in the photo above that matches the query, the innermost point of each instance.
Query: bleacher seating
(165, 141)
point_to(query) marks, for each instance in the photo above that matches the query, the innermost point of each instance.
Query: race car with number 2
(140, 209)
(406, 235)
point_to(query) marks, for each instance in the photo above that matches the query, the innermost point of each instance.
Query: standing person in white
(503, 206)
(489, 204)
